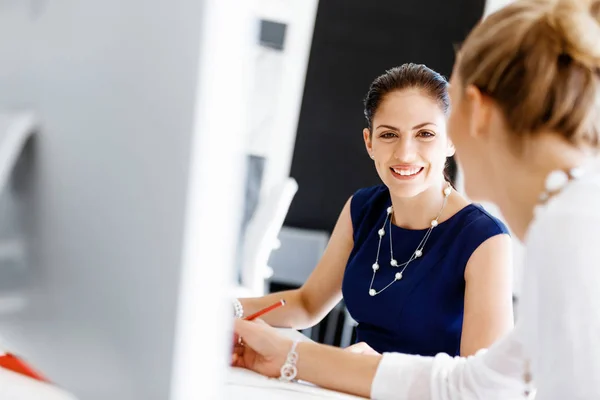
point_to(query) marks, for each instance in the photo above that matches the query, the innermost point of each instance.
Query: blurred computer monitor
(122, 221)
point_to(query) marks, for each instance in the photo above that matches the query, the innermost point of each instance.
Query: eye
(426, 134)
(387, 135)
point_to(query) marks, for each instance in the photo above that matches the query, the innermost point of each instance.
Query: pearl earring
(372, 157)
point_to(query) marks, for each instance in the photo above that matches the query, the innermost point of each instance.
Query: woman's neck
(522, 181)
(417, 212)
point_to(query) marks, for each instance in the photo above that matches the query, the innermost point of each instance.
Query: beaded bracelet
(238, 309)
(289, 370)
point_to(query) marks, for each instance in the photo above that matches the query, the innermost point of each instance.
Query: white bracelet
(238, 309)
(289, 370)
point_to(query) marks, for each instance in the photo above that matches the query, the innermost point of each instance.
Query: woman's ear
(480, 109)
(450, 149)
(367, 137)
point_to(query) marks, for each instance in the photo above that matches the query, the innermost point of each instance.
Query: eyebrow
(414, 127)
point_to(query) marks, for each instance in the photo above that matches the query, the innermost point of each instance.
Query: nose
(405, 149)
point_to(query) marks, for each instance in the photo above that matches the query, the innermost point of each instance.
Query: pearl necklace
(416, 254)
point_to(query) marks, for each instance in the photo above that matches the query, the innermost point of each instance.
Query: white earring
(372, 157)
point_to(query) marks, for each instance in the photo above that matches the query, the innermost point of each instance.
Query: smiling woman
(413, 94)
(445, 285)
(421, 270)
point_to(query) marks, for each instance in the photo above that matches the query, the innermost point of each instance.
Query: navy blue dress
(423, 312)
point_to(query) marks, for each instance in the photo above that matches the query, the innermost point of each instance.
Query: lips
(406, 171)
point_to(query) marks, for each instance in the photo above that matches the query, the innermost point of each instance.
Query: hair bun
(577, 23)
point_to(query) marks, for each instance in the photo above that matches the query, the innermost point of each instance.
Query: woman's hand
(261, 348)
(361, 348)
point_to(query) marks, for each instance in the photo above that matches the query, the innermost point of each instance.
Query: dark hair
(406, 76)
(409, 76)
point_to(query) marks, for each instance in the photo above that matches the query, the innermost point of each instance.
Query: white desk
(15, 386)
(247, 385)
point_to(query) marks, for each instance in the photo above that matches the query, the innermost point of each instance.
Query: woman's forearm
(293, 315)
(335, 369)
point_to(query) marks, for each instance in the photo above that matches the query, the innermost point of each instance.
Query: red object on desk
(15, 364)
(265, 310)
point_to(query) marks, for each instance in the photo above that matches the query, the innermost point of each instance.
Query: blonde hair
(540, 62)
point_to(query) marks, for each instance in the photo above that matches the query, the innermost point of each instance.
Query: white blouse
(558, 327)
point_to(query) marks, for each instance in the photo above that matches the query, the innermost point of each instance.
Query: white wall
(276, 97)
(115, 84)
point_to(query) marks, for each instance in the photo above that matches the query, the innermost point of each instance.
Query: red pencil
(265, 310)
(15, 364)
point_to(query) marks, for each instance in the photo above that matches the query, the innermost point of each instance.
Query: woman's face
(409, 143)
